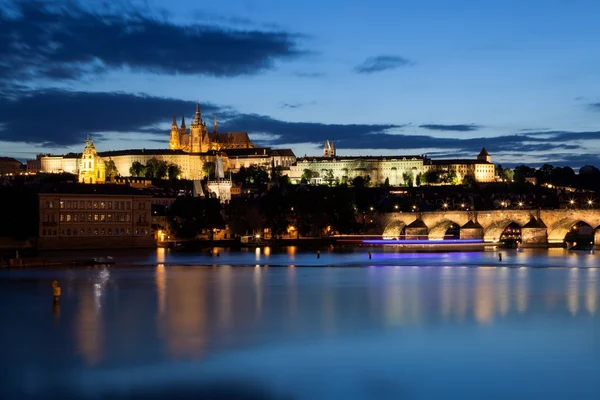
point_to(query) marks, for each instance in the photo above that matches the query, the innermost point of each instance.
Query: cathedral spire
(215, 127)
(198, 118)
(174, 120)
(182, 122)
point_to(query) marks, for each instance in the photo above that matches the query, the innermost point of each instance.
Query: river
(284, 324)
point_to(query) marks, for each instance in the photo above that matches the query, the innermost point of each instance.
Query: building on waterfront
(89, 216)
(10, 166)
(397, 170)
(189, 149)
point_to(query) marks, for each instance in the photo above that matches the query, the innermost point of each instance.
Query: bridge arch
(493, 232)
(558, 231)
(394, 230)
(438, 232)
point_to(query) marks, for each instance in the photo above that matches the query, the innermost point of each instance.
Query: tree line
(155, 169)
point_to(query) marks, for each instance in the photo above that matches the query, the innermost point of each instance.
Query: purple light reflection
(424, 242)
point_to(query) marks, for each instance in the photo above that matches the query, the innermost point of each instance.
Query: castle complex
(397, 170)
(190, 148)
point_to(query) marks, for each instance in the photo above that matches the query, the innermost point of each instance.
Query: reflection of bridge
(539, 228)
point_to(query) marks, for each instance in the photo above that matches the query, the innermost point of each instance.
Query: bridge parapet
(549, 226)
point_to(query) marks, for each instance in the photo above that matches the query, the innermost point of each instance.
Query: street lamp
(520, 204)
(462, 205)
(445, 205)
(590, 203)
(571, 202)
(371, 208)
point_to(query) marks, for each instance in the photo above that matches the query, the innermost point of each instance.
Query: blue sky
(442, 78)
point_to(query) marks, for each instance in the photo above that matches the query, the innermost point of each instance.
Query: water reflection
(89, 327)
(199, 309)
(183, 325)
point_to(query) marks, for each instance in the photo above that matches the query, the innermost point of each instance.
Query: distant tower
(174, 140)
(484, 156)
(329, 149)
(215, 127)
(91, 165)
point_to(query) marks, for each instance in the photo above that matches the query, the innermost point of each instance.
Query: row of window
(95, 205)
(116, 217)
(94, 232)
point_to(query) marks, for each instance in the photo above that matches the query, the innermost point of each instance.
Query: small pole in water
(318, 253)
(56, 291)
(369, 255)
(499, 256)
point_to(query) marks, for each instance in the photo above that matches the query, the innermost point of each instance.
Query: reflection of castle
(188, 148)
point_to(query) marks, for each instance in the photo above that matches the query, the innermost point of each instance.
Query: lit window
(96, 217)
(102, 217)
(95, 205)
(68, 217)
(102, 205)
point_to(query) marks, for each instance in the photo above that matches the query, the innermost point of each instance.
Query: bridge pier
(417, 230)
(471, 230)
(597, 238)
(534, 234)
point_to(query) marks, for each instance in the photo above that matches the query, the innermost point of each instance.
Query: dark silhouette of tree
(137, 169)
(173, 171)
(111, 169)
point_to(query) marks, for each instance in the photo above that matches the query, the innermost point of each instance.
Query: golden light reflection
(591, 293)
(291, 252)
(484, 295)
(522, 290)
(183, 326)
(161, 288)
(293, 291)
(257, 253)
(573, 291)
(503, 291)
(267, 251)
(225, 295)
(446, 289)
(258, 289)
(161, 253)
(462, 302)
(89, 329)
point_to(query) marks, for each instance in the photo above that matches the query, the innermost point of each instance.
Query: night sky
(441, 78)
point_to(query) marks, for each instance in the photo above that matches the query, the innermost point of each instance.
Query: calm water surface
(259, 324)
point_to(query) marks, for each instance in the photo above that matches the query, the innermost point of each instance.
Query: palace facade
(397, 170)
(189, 148)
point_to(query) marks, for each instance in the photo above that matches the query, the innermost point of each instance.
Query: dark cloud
(63, 118)
(452, 128)
(595, 106)
(56, 117)
(381, 63)
(61, 40)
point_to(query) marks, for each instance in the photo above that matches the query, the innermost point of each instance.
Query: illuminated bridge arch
(557, 233)
(438, 232)
(493, 232)
(394, 230)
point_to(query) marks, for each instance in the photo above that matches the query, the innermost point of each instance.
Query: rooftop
(99, 189)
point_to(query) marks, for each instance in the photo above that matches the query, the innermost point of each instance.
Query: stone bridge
(539, 228)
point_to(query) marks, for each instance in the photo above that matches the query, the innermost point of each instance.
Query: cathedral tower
(329, 149)
(198, 133)
(174, 140)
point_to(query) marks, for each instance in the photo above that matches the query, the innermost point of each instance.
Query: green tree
(173, 171)
(470, 181)
(407, 178)
(307, 175)
(137, 169)
(386, 183)
(111, 169)
(156, 168)
(508, 175)
(358, 182)
(328, 176)
(208, 169)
